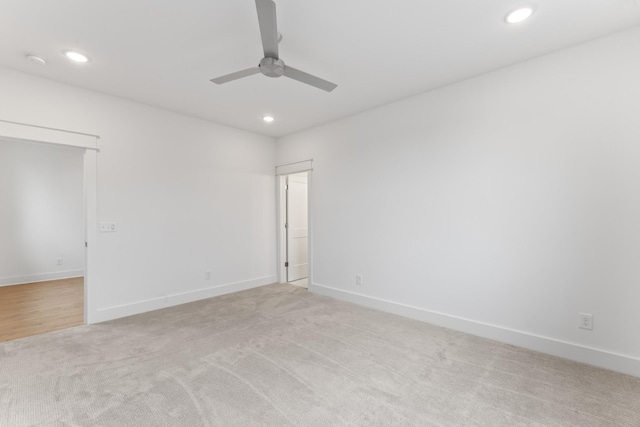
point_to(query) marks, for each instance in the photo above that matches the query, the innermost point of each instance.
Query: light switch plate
(108, 227)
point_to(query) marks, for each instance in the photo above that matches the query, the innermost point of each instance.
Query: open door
(297, 228)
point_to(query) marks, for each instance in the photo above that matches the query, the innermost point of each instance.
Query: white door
(297, 227)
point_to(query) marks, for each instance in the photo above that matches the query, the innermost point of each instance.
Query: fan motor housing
(272, 67)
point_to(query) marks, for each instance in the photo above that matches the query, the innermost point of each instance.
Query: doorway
(42, 252)
(32, 133)
(295, 228)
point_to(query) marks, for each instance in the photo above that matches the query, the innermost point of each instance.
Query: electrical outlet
(586, 321)
(59, 261)
(207, 275)
(359, 279)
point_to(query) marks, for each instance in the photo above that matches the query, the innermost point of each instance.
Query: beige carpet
(281, 356)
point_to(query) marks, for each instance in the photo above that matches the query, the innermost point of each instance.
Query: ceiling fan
(271, 65)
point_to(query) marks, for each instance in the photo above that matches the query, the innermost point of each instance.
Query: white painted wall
(188, 196)
(41, 212)
(503, 205)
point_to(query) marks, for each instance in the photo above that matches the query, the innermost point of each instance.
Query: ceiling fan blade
(237, 75)
(268, 27)
(303, 77)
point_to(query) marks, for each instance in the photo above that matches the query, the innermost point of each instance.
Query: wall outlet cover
(586, 321)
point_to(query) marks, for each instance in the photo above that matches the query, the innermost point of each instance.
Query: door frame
(280, 221)
(23, 132)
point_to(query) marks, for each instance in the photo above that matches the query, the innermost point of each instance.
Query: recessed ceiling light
(36, 59)
(76, 56)
(519, 15)
(268, 119)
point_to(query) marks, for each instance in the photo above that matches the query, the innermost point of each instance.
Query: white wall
(41, 212)
(188, 196)
(503, 205)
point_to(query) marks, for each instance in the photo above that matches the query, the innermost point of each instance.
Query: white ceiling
(163, 52)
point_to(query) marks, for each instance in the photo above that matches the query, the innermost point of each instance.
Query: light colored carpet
(281, 356)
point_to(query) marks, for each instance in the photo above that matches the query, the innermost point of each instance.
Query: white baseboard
(42, 277)
(592, 356)
(130, 309)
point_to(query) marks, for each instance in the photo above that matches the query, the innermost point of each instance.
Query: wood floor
(36, 308)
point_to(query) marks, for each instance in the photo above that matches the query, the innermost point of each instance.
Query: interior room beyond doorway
(42, 249)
